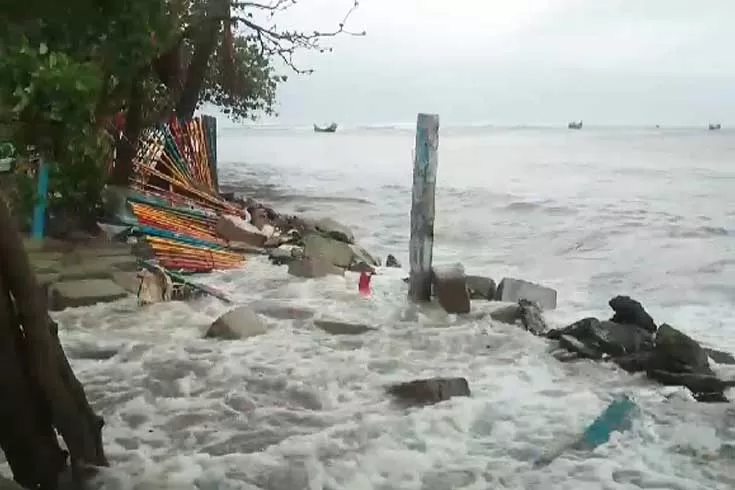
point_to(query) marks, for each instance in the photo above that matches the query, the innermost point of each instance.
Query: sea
(645, 212)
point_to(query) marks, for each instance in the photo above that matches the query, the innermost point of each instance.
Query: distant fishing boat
(715, 127)
(332, 128)
(575, 125)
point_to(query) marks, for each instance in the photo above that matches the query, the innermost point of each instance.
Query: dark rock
(432, 390)
(581, 329)
(676, 352)
(715, 397)
(342, 328)
(240, 323)
(334, 229)
(392, 261)
(481, 287)
(628, 310)
(531, 317)
(634, 363)
(618, 339)
(450, 287)
(706, 386)
(607, 337)
(313, 267)
(720, 357)
(573, 344)
(507, 314)
(512, 290)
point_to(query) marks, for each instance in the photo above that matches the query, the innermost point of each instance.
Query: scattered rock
(432, 390)
(235, 229)
(342, 328)
(531, 317)
(84, 292)
(481, 287)
(285, 254)
(331, 250)
(450, 287)
(512, 290)
(564, 355)
(628, 310)
(240, 323)
(334, 229)
(313, 268)
(720, 357)
(392, 261)
(507, 314)
(247, 248)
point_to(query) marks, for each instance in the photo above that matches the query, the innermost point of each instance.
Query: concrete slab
(84, 292)
(512, 290)
(45, 265)
(99, 267)
(128, 280)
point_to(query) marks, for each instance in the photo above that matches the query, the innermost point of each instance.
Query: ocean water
(593, 213)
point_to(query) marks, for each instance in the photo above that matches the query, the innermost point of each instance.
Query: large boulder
(240, 323)
(335, 229)
(314, 267)
(450, 287)
(628, 310)
(236, 229)
(680, 360)
(481, 287)
(331, 250)
(720, 357)
(509, 313)
(428, 391)
(512, 290)
(676, 352)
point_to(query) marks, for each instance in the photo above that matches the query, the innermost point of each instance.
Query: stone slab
(513, 290)
(84, 292)
(99, 267)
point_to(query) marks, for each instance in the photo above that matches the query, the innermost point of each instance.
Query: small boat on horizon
(575, 124)
(332, 128)
(715, 127)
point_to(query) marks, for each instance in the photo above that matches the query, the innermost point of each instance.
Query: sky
(665, 62)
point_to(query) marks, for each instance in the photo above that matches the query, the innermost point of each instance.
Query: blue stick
(39, 212)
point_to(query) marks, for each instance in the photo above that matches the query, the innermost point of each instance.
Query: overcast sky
(518, 62)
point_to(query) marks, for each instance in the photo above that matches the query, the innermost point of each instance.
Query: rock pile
(632, 340)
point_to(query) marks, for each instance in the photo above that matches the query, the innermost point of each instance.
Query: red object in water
(364, 284)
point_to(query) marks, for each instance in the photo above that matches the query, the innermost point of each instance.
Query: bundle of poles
(178, 215)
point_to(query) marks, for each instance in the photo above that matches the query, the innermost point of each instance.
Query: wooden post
(210, 123)
(422, 206)
(39, 211)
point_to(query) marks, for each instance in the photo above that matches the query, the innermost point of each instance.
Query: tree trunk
(205, 44)
(127, 145)
(39, 390)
